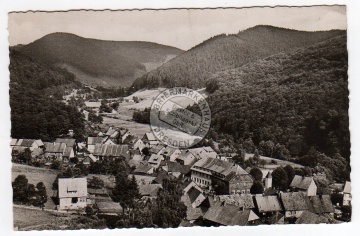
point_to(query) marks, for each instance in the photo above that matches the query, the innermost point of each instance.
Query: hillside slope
(297, 99)
(35, 112)
(99, 62)
(194, 67)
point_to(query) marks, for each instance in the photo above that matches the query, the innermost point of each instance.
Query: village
(216, 190)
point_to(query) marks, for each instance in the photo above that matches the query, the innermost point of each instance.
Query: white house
(72, 193)
(347, 194)
(304, 184)
(170, 153)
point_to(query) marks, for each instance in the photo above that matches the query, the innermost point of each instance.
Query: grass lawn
(36, 175)
(274, 166)
(26, 218)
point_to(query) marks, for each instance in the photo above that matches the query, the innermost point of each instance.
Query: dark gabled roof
(55, 147)
(130, 139)
(193, 194)
(67, 152)
(219, 166)
(320, 204)
(270, 192)
(161, 176)
(267, 203)
(177, 167)
(27, 142)
(95, 140)
(308, 217)
(156, 148)
(70, 142)
(143, 168)
(294, 201)
(301, 182)
(149, 189)
(123, 131)
(227, 215)
(109, 150)
(192, 213)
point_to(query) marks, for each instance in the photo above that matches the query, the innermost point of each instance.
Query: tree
(280, 178)
(41, 194)
(96, 182)
(96, 119)
(249, 145)
(55, 165)
(262, 162)
(20, 189)
(290, 173)
(256, 173)
(256, 188)
(84, 171)
(89, 211)
(25, 156)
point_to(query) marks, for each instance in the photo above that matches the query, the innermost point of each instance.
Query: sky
(181, 28)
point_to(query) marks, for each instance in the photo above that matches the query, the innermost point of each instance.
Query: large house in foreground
(211, 171)
(72, 193)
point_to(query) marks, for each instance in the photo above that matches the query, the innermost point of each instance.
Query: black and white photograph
(179, 117)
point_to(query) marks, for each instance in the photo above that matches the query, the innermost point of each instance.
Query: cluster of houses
(300, 205)
(201, 170)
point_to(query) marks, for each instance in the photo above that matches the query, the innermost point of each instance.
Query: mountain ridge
(193, 67)
(115, 62)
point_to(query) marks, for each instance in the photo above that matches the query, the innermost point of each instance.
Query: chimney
(71, 132)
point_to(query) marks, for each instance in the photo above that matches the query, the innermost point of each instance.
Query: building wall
(66, 203)
(174, 155)
(91, 148)
(347, 199)
(295, 214)
(201, 179)
(237, 187)
(268, 183)
(312, 189)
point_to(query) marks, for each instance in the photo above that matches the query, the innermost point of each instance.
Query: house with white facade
(72, 193)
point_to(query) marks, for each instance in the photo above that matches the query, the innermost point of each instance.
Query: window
(74, 200)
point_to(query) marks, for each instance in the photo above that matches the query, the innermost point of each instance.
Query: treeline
(35, 110)
(142, 116)
(193, 68)
(296, 101)
(29, 194)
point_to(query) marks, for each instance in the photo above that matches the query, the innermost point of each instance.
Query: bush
(96, 182)
(55, 165)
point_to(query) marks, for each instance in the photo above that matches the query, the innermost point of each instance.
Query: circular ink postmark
(180, 117)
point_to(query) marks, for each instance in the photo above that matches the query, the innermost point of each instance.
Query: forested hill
(35, 110)
(194, 67)
(99, 62)
(297, 99)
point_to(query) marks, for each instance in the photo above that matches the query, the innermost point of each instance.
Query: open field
(274, 166)
(135, 128)
(28, 219)
(36, 175)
